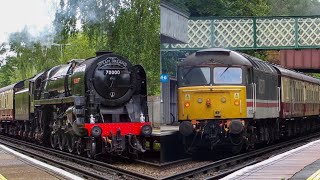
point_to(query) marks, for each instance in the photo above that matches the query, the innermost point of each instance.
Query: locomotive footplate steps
(300, 163)
(14, 166)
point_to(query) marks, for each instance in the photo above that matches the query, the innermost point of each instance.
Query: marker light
(208, 102)
(187, 104)
(236, 102)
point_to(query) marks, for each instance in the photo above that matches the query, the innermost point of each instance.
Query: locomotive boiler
(93, 106)
(231, 99)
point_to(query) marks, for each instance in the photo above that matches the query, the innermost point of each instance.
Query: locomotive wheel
(60, 141)
(70, 143)
(53, 140)
(91, 148)
(237, 144)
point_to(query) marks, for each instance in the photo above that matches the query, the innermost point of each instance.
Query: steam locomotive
(93, 106)
(231, 99)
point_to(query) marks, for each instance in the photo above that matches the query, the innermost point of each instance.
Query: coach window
(227, 75)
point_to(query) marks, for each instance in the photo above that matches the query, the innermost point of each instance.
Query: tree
(128, 27)
(78, 48)
(224, 7)
(96, 19)
(25, 57)
(294, 7)
(136, 34)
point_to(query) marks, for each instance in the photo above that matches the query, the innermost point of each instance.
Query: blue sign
(164, 78)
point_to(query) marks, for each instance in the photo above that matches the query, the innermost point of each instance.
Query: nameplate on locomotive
(114, 61)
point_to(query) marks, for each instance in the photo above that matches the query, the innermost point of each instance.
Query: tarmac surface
(16, 166)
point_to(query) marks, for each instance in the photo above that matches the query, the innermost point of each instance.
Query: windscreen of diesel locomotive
(194, 76)
(227, 75)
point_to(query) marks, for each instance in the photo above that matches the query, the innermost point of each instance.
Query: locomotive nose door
(112, 79)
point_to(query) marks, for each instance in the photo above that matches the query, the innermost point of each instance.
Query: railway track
(165, 164)
(214, 170)
(86, 168)
(101, 170)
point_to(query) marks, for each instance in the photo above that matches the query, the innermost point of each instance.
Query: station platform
(14, 165)
(165, 130)
(296, 164)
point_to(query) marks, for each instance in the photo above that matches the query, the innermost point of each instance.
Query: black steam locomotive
(93, 106)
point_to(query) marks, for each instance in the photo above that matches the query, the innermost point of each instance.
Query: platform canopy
(174, 24)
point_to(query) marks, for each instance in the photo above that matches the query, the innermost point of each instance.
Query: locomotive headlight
(96, 131)
(223, 100)
(146, 130)
(199, 100)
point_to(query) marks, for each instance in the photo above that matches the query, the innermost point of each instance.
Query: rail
(102, 166)
(223, 163)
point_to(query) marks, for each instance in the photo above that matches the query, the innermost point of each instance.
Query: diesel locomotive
(93, 106)
(231, 99)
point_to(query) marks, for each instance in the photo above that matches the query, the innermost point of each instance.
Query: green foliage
(28, 58)
(170, 61)
(294, 7)
(132, 30)
(224, 7)
(315, 75)
(96, 18)
(136, 35)
(78, 48)
(258, 54)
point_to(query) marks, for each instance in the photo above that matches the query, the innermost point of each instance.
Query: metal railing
(284, 32)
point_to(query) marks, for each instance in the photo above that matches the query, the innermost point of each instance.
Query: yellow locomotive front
(212, 97)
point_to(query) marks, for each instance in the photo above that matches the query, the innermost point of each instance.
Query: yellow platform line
(2, 177)
(315, 176)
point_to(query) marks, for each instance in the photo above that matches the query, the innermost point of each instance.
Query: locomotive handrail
(279, 99)
(208, 90)
(254, 97)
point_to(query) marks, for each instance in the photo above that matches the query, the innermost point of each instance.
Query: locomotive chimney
(99, 53)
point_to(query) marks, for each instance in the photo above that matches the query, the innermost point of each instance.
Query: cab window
(227, 75)
(195, 76)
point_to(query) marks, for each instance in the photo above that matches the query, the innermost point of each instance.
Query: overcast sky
(16, 14)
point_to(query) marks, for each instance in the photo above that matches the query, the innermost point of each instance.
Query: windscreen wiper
(225, 70)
